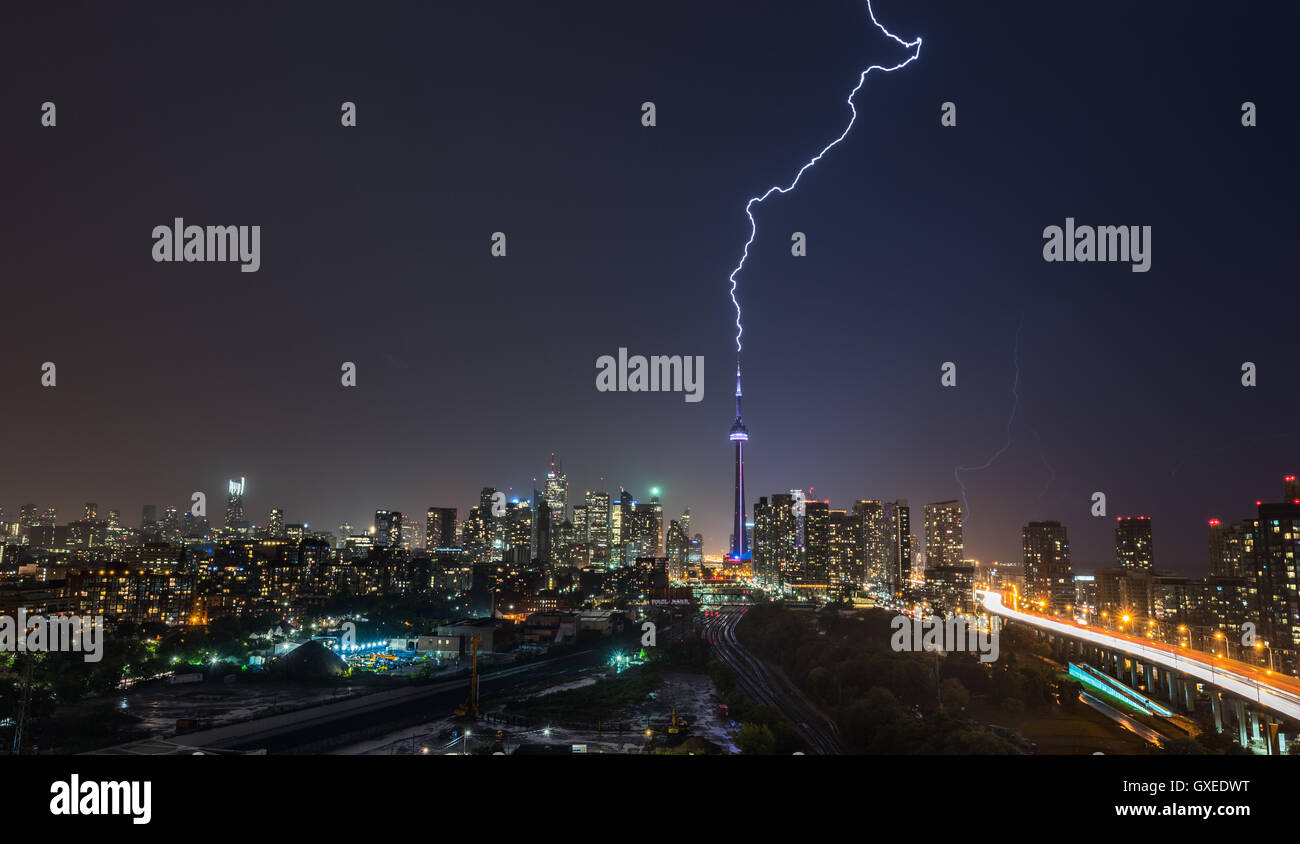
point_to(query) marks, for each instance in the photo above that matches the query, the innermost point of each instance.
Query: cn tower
(739, 436)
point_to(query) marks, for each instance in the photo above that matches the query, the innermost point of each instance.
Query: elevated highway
(1251, 692)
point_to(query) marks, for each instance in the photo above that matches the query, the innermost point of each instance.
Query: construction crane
(469, 709)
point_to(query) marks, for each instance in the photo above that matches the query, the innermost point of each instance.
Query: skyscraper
(1133, 542)
(739, 435)
(652, 525)
(440, 527)
(557, 493)
(235, 505)
(623, 529)
(388, 529)
(1232, 549)
(275, 527)
(872, 530)
(1049, 578)
(898, 532)
(598, 527)
(776, 551)
(943, 535)
(1277, 561)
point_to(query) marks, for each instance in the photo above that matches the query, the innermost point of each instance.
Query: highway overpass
(1261, 702)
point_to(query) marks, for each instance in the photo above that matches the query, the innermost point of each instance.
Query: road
(1132, 725)
(760, 682)
(1269, 689)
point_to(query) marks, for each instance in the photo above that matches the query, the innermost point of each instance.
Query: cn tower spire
(739, 435)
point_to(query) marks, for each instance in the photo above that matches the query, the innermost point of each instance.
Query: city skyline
(1107, 556)
(923, 247)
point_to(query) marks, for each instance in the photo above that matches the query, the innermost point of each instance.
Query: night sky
(924, 246)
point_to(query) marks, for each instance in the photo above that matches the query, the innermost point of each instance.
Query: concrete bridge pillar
(1189, 694)
(1216, 707)
(1169, 684)
(1133, 672)
(1255, 719)
(1239, 712)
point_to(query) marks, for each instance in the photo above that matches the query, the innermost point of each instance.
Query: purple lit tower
(739, 436)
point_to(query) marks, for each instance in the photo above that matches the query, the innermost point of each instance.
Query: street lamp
(1259, 645)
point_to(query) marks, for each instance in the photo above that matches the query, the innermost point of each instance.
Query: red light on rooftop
(1289, 478)
(1257, 503)
(1214, 522)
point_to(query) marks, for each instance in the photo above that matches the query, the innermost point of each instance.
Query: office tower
(235, 505)
(388, 529)
(1049, 577)
(677, 544)
(623, 529)
(440, 527)
(91, 511)
(546, 532)
(275, 527)
(651, 519)
(598, 527)
(695, 553)
(943, 536)
(1232, 549)
(1133, 543)
(412, 534)
(148, 517)
(580, 523)
(114, 519)
(1290, 489)
(171, 525)
(739, 435)
(557, 493)
(477, 532)
(27, 515)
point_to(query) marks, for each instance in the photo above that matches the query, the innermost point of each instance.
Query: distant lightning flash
(1015, 405)
(749, 206)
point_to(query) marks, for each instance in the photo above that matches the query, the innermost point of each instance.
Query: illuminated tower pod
(739, 435)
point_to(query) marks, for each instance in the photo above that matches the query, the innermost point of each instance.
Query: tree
(756, 740)
(953, 695)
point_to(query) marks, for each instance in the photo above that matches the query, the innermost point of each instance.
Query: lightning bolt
(758, 200)
(1015, 405)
